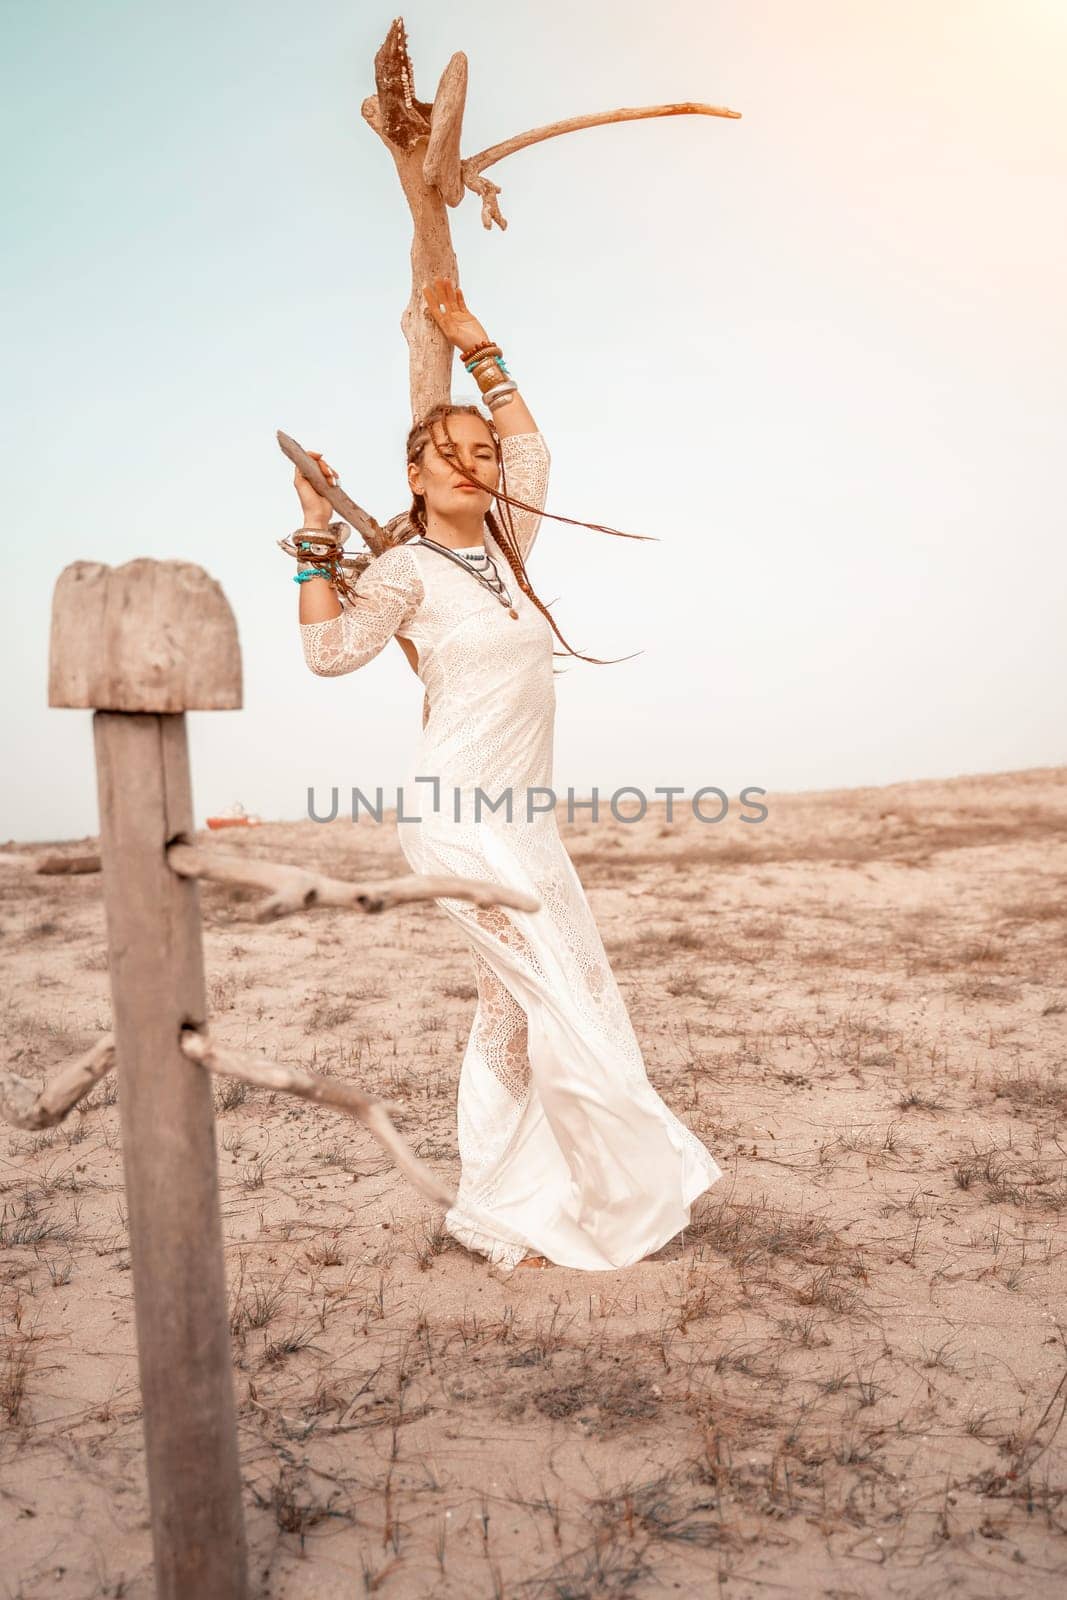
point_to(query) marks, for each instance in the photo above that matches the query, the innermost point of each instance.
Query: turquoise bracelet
(310, 572)
(470, 365)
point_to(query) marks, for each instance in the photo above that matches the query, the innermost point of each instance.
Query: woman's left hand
(449, 310)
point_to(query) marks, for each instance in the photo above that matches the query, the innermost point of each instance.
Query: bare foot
(535, 1261)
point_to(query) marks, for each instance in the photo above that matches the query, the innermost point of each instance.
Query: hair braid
(407, 524)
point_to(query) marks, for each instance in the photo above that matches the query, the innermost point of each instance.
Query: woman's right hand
(316, 508)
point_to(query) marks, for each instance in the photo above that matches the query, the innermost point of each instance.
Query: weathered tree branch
(424, 141)
(374, 1114)
(473, 167)
(371, 531)
(26, 1107)
(295, 888)
(51, 865)
(443, 166)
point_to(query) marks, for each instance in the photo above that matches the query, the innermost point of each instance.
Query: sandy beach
(846, 1377)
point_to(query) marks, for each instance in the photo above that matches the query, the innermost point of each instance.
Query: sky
(818, 353)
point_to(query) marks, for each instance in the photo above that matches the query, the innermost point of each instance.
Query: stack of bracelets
(485, 363)
(326, 546)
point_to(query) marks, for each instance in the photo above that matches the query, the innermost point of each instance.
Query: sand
(847, 1376)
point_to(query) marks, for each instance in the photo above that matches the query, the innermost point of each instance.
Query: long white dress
(566, 1149)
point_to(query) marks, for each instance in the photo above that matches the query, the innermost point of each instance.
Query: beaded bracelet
(487, 348)
(486, 365)
(310, 572)
(495, 358)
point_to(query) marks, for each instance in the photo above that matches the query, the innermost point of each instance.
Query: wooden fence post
(142, 644)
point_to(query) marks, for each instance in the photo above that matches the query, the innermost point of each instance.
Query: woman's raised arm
(526, 463)
(525, 453)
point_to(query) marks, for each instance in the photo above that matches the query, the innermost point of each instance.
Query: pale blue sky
(819, 352)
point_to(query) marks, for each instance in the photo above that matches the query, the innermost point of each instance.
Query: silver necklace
(478, 569)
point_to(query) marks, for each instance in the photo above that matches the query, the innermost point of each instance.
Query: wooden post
(143, 643)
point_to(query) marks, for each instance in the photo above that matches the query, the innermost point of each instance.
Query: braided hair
(410, 523)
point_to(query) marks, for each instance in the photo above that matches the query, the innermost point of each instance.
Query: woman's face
(437, 477)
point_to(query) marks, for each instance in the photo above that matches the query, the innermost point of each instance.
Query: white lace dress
(566, 1148)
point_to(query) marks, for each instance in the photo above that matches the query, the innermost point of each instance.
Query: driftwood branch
(295, 888)
(54, 865)
(26, 1107)
(371, 532)
(443, 166)
(272, 1075)
(424, 141)
(473, 167)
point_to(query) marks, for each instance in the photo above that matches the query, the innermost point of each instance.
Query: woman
(569, 1156)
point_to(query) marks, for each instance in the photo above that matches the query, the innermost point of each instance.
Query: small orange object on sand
(236, 817)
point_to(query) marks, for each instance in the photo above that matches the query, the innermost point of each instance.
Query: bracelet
(333, 534)
(485, 363)
(489, 379)
(488, 352)
(317, 541)
(479, 349)
(488, 376)
(495, 354)
(323, 552)
(487, 368)
(500, 394)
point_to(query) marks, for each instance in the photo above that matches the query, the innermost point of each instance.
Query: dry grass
(846, 1376)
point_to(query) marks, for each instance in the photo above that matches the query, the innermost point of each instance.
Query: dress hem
(506, 1254)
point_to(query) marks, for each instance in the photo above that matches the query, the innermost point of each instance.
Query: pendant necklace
(480, 564)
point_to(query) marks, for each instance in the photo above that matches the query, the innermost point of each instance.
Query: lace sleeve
(526, 463)
(387, 596)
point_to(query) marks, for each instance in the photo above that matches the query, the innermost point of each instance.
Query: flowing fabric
(566, 1149)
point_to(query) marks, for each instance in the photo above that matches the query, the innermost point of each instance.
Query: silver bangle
(489, 395)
